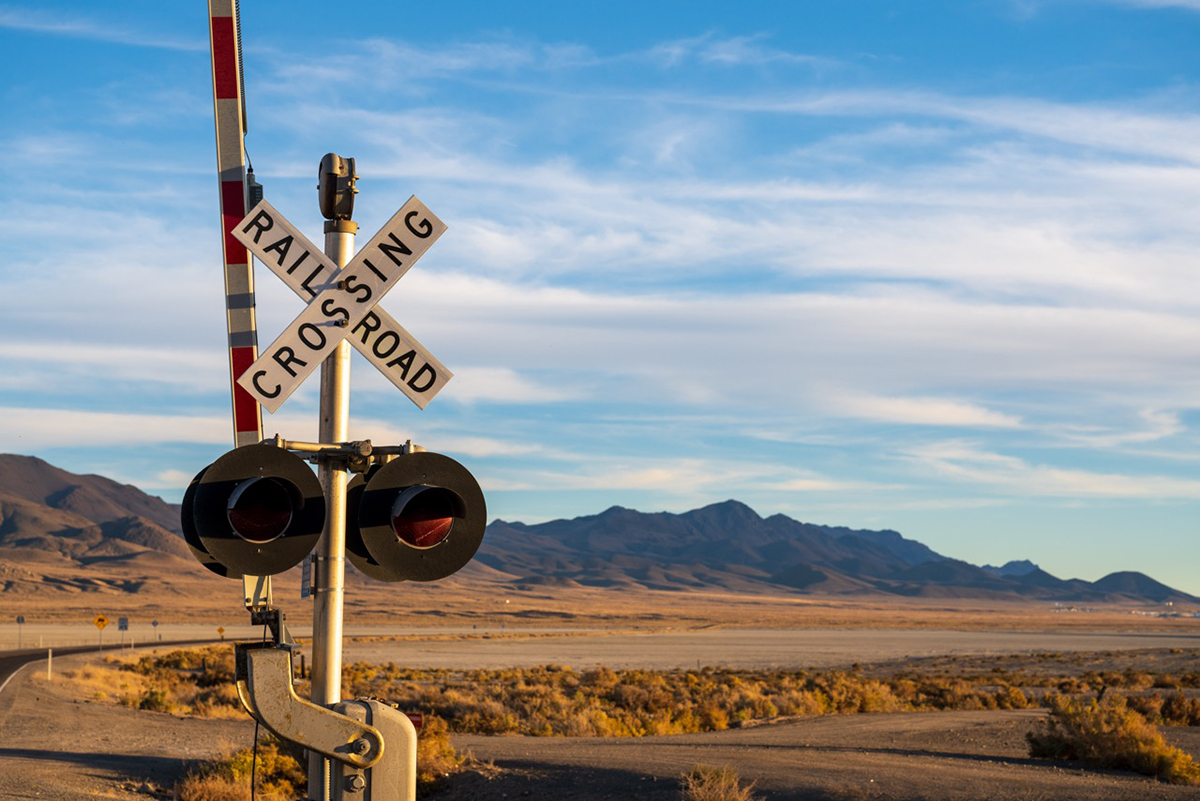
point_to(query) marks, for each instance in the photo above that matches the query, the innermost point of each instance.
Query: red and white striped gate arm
(229, 112)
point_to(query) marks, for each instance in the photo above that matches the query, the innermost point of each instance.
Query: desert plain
(58, 745)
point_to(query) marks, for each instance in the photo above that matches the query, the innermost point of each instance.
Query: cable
(254, 757)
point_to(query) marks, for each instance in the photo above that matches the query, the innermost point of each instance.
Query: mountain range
(729, 545)
(60, 531)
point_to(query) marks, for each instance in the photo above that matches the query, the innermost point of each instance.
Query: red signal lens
(260, 509)
(423, 516)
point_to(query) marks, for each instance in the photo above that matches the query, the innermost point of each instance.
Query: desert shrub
(155, 700)
(1011, 698)
(1137, 679)
(436, 757)
(709, 783)
(1109, 734)
(713, 717)
(1180, 710)
(278, 775)
(554, 700)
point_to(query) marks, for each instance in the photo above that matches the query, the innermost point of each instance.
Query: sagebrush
(715, 783)
(1108, 734)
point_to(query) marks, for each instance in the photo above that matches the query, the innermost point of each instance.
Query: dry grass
(195, 683)
(1107, 734)
(105, 683)
(709, 783)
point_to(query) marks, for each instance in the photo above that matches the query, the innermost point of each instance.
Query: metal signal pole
(336, 195)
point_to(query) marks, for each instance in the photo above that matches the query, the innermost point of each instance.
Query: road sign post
(100, 622)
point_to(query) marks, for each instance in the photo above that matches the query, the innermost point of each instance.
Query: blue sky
(924, 266)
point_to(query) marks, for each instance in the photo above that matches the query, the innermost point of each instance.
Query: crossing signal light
(420, 517)
(258, 510)
(423, 516)
(192, 537)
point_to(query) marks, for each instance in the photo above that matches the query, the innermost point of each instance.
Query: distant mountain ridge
(50, 517)
(42, 506)
(728, 545)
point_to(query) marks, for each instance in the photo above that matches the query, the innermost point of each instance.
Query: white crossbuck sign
(341, 304)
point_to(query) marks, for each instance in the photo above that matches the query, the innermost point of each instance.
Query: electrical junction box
(394, 777)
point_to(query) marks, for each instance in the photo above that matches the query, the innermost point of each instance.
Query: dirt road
(57, 747)
(934, 756)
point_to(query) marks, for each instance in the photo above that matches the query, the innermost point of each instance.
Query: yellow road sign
(100, 622)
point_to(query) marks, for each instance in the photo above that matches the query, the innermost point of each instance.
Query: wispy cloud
(819, 484)
(920, 411)
(1156, 424)
(734, 51)
(968, 463)
(58, 24)
(29, 429)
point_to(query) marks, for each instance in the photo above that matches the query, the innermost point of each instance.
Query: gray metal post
(329, 576)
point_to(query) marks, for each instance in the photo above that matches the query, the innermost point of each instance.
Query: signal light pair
(259, 510)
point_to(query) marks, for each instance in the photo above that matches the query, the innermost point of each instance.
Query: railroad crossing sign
(100, 622)
(341, 304)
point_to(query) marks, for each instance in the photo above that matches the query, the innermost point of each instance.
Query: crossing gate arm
(229, 113)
